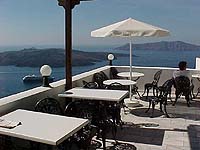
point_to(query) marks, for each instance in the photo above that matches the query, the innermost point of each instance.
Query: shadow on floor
(144, 98)
(181, 110)
(136, 134)
(195, 117)
(140, 112)
(121, 146)
(194, 135)
(182, 102)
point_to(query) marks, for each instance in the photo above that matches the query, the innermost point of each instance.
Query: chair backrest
(105, 77)
(49, 105)
(99, 78)
(113, 73)
(182, 84)
(116, 86)
(90, 85)
(156, 77)
(166, 87)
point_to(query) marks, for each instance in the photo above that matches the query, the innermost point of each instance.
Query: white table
(127, 74)
(95, 94)
(41, 127)
(196, 76)
(120, 81)
(136, 76)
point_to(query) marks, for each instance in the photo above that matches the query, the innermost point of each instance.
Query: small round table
(196, 76)
(134, 75)
(120, 81)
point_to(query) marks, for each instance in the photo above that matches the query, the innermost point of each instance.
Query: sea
(11, 77)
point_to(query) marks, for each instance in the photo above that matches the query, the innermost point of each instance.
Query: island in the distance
(54, 57)
(162, 46)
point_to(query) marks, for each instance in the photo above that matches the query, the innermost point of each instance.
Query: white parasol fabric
(130, 28)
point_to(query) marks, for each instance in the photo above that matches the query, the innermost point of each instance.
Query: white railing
(28, 99)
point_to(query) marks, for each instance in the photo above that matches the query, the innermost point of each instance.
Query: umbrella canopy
(130, 28)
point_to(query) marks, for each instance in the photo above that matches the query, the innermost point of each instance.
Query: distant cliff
(164, 45)
(54, 57)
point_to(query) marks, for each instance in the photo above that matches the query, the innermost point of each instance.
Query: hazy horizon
(76, 47)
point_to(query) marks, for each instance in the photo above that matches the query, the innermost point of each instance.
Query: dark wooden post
(68, 45)
(68, 6)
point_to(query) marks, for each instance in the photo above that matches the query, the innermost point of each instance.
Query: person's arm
(174, 74)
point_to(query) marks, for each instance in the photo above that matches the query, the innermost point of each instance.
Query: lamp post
(45, 71)
(110, 58)
(68, 5)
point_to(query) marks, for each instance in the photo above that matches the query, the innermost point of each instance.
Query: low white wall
(197, 63)
(28, 99)
(149, 74)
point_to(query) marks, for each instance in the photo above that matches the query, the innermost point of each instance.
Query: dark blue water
(11, 77)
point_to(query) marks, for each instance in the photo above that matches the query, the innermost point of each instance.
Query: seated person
(182, 71)
(183, 85)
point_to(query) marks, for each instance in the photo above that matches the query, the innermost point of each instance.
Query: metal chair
(49, 105)
(162, 97)
(90, 85)
(99, 77)
(183, 87)
(117, 86)
(105, 77)
(198, 90)
(153, 85)
(113, 73)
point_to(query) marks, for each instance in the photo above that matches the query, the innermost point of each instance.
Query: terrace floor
(179, 132)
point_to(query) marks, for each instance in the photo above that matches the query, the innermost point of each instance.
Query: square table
(42, 127)
(96, 95)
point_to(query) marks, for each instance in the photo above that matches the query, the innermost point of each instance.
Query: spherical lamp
(45, 71)
(110, 58)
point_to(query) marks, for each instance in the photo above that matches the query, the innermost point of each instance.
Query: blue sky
(41, 22)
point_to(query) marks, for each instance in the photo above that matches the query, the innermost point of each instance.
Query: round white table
(196, 76)
(135, 76)
(127, 74)
(120, 81)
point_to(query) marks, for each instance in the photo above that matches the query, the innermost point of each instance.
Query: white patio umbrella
(127, 29)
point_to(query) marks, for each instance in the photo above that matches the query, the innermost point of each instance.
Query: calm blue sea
(11, 76)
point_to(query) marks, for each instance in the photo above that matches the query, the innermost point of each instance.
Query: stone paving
(179, 132)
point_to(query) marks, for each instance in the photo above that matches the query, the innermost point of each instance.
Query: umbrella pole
(130, 92)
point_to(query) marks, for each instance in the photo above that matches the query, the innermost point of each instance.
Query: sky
(41, 22)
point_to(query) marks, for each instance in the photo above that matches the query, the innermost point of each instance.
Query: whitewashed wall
(28, 99)
(197, 63)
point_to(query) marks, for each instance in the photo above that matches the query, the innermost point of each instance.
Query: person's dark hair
(182, 65)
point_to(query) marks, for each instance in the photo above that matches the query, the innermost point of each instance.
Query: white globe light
(111, 56)
(45, 70)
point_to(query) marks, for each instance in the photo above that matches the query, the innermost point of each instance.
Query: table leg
(34, 145)
(104, 138)
(102, 122)
(5, 142)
